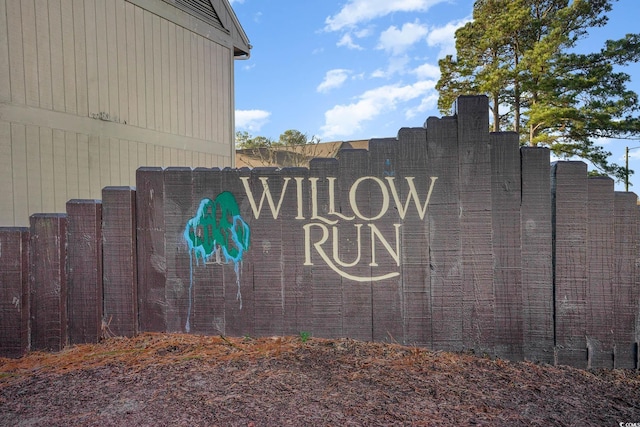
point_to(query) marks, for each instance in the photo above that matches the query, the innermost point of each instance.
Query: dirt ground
(187, 380)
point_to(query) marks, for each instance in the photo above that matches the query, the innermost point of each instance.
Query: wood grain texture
(84, 271)
(506, 196)
(120, 261)
(625, 300)
(388, 302)
(600, 262)
(14, 291)
(48, 281)
(326, 284)
(569, 190)
(413, 162)
(537, 271)
(444, 235)
(475, 223)
(150, 249)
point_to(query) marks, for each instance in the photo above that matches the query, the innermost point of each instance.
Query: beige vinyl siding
(91, 90)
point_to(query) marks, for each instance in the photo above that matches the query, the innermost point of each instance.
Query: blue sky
(361, 69)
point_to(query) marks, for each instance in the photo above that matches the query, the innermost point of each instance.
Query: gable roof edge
(242, 46)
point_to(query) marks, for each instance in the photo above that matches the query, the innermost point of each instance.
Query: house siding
(91, 90)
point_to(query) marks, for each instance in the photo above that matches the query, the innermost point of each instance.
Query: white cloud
(397, 65)
(251, 120)
(427, 71)
(397, 41)
(236, 1)
(345, 120)
(333, 79)
(444, 37)
(427, 103)
(348, 42)
(358, 11)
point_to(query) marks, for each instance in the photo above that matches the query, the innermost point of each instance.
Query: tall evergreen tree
(521, 54)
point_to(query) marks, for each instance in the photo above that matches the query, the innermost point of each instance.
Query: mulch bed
(188, 380)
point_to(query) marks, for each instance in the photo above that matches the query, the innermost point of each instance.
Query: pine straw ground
(175, 380)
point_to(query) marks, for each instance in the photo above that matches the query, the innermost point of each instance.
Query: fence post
(48, 281)
(84, 270)
(14, 291)
(120, 261)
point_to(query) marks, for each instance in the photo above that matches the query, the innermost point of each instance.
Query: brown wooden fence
(447, 236)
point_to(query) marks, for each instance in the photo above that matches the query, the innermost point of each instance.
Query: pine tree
(520, 53)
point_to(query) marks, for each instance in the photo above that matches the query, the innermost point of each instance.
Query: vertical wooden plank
(216, 79)
(569, 190)
(173, 78)
(537, 270)
(150, 74)
(150, 250)
(30, 53)
(81, 60)
(14, 291)
(416, 278)
(20, 179)
(600, 261)
(133, 162)
(207, 91)
(444, 234)
(114, 161)
(123, 176)
(357, 315)
(93, 159)
(239, 277)
(227, 99)
(84, 173)
(60, 169)
(202, 118)
(476, 223)
(195, 88)
(16, 52)
(112, 59)
(266, 239)
(91, 52)
(105, 161)
(139, 28)
(387, 297)
(34, 172)
(123, 71)
(206, 282)
(165, 73)
(178, 195)
(180, 79)
(102, 53)
(326, 284)
(187, 63)
(84, 271)
(6, 174)
(159, 155)
(5, 70)
(157, 72)
(48, 281)
(132, 64)
(69, 60)
(506, 197)
(120, 261)
(44, 54)
(57, 57)
(625, 302)
(142, 157)
(297, 287)
(71, 147)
